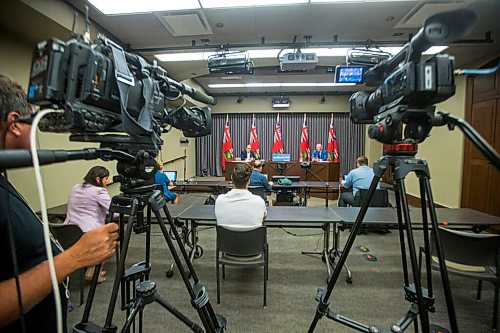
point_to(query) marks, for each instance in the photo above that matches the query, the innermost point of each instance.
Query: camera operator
(93, 247)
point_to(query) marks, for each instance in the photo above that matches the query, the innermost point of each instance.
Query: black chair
(380, 198)
(242, 249)
(67, 235)
(470, 255)
(260, 191)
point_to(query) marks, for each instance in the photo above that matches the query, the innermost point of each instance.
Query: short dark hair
(362, 160)
(241, 175)
(12, 98)
(257, 164)
(95, 172)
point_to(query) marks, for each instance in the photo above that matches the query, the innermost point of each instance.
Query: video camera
(408, 87)
(102, 88)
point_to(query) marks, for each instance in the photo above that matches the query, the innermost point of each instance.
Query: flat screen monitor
(349, 74)
(281, 158)
(172, 175)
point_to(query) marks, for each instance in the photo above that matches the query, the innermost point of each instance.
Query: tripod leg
(179, 315)
(425, 227)
(121, 264)
(200, 299)
(322, 308)
(442, 266)
(137, 308)
(422, 310)
(401, 235)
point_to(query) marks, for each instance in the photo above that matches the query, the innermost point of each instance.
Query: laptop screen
(265, 175)
(172, 175)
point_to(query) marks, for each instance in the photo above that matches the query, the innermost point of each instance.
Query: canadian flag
(305, 152)
(277, 142)
(333, 152)
(227, 145)
(254, 140)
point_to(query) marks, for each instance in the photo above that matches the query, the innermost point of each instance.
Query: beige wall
(299, 104)
(444, 152)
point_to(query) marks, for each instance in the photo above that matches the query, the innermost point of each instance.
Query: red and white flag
(277, 142)
(227, 145)
(333, 152)
(254, 140)
(305, 152)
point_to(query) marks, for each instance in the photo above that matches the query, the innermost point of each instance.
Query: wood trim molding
(415, 201)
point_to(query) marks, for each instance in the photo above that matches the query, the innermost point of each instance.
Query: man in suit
(248, 155)
(258, 179)
(319, 154)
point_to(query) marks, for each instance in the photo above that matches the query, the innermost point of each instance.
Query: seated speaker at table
(319, 154)
(248, 155)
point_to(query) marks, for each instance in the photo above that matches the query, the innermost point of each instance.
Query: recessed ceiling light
(108, 7)
(247, 3)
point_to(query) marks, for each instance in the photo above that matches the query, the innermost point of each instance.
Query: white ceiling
(279, 24)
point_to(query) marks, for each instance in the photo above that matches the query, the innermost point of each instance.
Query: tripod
(421, 299)
(132, 202)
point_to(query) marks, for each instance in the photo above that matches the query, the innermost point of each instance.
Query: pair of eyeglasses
(28, 119)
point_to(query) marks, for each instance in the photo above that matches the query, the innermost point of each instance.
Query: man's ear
(13, 126)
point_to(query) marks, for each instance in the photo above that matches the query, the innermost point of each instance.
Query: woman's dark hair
(94, 173)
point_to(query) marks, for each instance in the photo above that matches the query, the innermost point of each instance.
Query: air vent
(191, 23)
(416, 17)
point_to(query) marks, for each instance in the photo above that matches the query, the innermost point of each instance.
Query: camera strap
(125, 80)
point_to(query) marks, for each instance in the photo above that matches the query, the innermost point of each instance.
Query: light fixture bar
(273, 53)
(277, 85)
(117, 7)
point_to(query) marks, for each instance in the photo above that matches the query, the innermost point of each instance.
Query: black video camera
(406, 95)
(102, 88)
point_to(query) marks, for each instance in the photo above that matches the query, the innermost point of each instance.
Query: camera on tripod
(102, 88)
(408, 87)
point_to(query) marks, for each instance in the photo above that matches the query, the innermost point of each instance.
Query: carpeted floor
(376, 296)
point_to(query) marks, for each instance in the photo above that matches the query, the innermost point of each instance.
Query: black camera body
(409, 87)
(415, 84)
(87, 81)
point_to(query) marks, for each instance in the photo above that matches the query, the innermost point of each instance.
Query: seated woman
(167, 184)
(88, 205)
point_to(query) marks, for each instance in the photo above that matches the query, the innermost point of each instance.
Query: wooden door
(481, 181)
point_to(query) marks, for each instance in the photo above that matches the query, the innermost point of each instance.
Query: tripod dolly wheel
(198, 252)
(170, 272)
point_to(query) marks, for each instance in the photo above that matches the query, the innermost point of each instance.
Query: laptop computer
(172, 175)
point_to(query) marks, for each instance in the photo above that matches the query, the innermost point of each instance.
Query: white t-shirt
(240, 210)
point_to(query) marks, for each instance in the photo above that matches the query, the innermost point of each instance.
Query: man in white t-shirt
(239, 209)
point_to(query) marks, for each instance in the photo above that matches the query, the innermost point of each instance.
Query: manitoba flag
(277, 142)
(254, 140)
(305, 152)
(227, 145)
(333, 152)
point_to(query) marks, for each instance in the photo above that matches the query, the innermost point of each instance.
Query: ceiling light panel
(247, 3)
(276, 85)
(117, 7)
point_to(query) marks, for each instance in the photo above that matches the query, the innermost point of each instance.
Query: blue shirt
(359, 178)
(162, 179)
(320, 155)
(258, 179)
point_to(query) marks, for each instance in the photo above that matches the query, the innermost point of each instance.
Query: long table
(318, 171)
(327, 218)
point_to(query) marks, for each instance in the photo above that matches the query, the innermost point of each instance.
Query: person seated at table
(248, 155)
(319, 154)
(258, 179)
(239, 209)
(359, 178)
(162, 179)
(88, 205)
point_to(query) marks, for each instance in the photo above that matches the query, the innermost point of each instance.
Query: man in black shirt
(27, 236)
